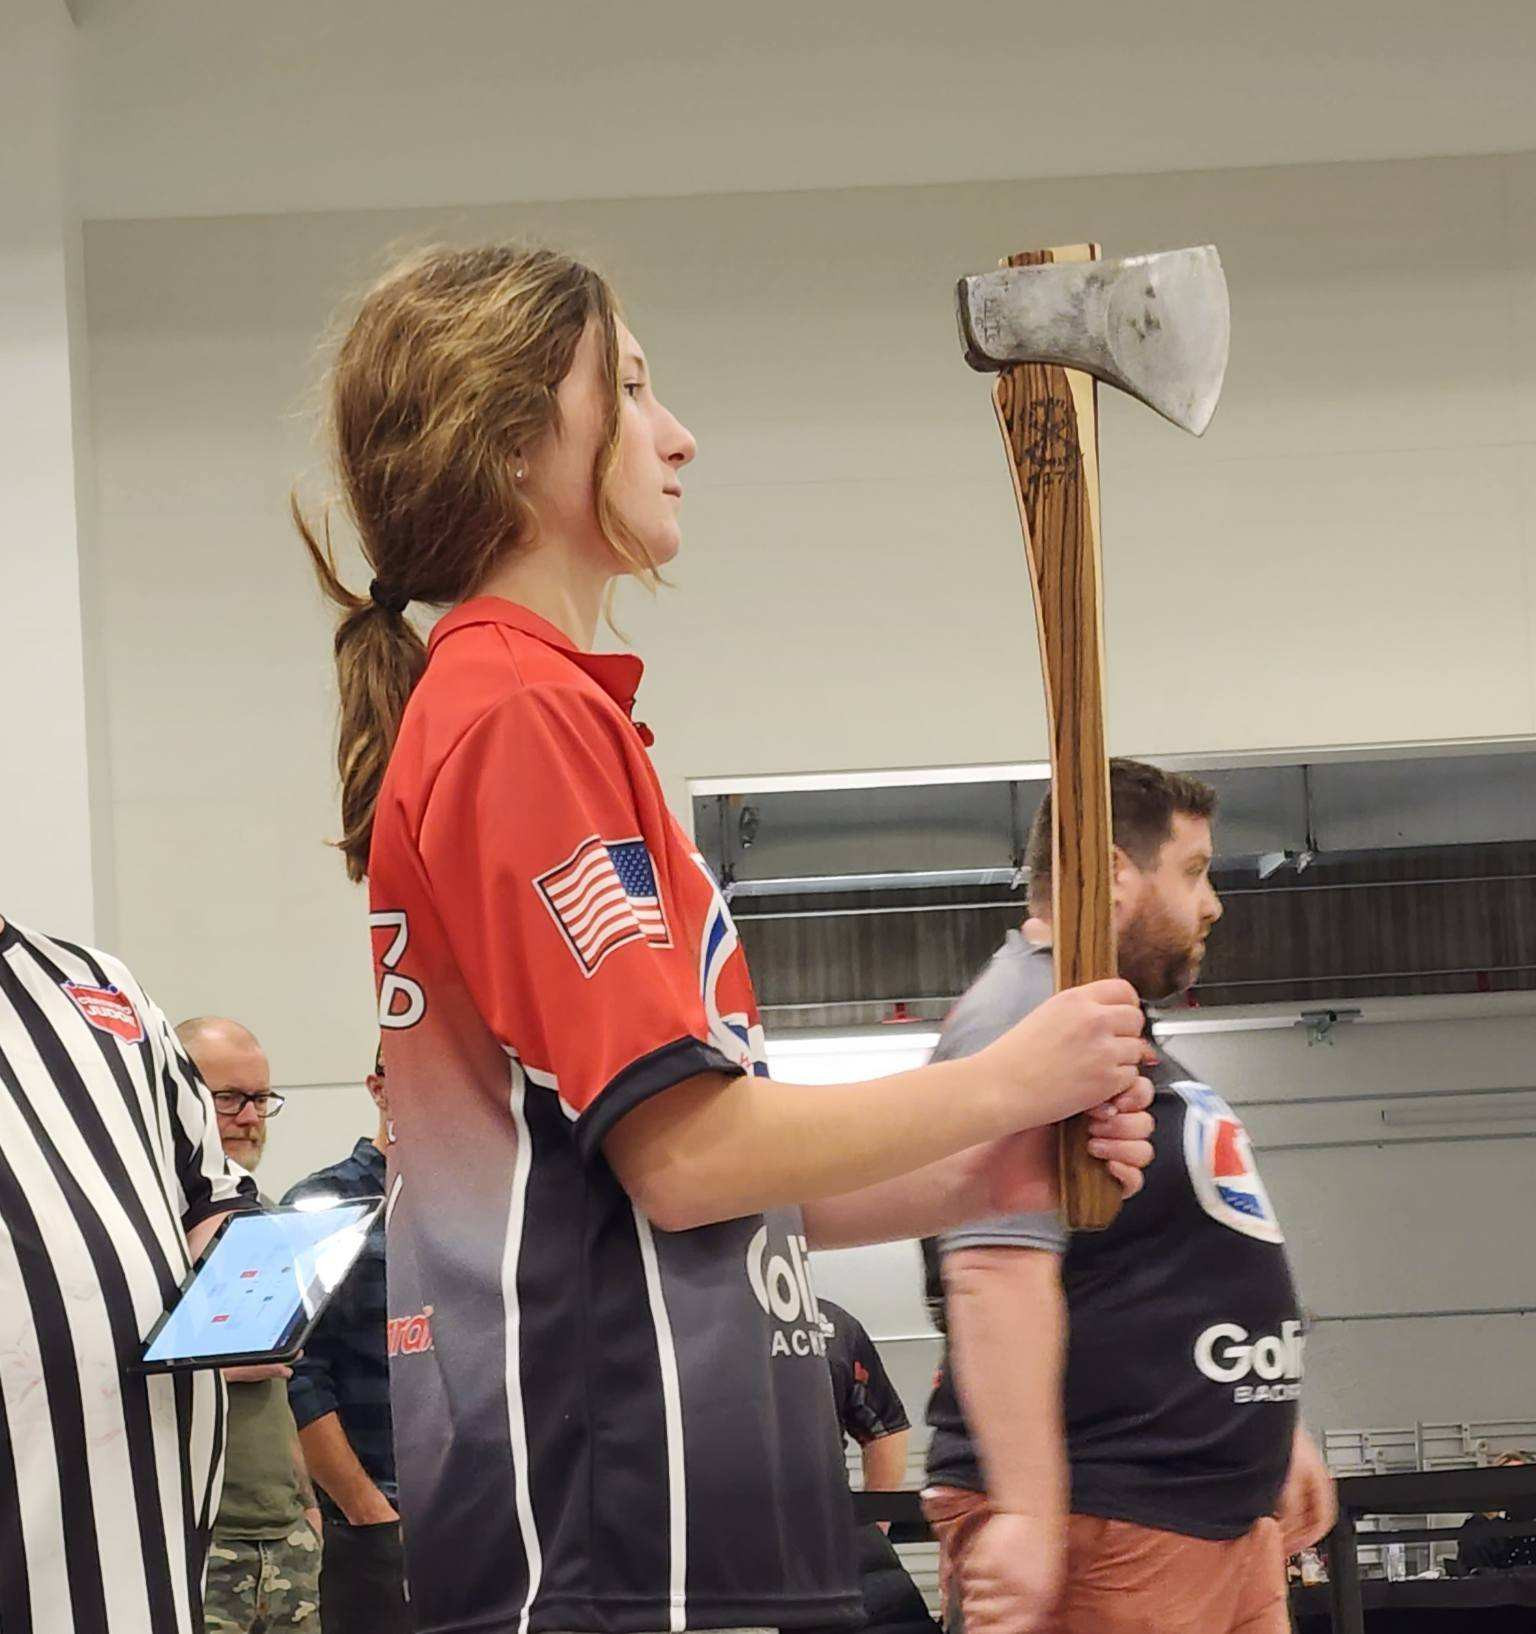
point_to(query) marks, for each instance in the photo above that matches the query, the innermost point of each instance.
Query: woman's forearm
(929, 1200)
(715, 1148)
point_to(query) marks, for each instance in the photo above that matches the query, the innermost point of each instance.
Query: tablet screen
(265, 1276)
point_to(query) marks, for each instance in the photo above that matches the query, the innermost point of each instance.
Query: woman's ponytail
(446, 374)
(379, 659)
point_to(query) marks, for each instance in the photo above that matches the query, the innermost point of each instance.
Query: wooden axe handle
(1048, 418)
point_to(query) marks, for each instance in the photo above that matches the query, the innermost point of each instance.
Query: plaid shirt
(345, 1365)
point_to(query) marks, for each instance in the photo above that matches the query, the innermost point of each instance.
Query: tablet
(259, 1287)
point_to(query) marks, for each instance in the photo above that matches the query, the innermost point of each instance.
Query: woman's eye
(633, 386)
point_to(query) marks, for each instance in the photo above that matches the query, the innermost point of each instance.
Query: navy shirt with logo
(869, 1408)
(1184, 1356)
(345, 1365)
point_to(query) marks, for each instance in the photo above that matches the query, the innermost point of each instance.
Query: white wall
(198, 109)
(1446, 1226)
(1346, 557)
(46, 864)
(318, 1126)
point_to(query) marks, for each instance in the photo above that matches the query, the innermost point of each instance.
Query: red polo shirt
(550, 950)
(523, 789)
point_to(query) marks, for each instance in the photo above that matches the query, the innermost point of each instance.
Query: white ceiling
(217, 106)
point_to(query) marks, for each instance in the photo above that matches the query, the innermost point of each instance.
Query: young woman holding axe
(600, 1206)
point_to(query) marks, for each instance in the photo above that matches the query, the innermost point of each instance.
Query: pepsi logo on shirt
(1219, 1156)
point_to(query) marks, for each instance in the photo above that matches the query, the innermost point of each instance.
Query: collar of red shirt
(617, 673)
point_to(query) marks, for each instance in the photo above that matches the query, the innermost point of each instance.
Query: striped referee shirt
(109, 1154)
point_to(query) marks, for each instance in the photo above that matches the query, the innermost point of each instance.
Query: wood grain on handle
(1048, 418)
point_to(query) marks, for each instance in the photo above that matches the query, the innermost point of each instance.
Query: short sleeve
(880, 1409)
(1008, 990)
(868, 1406)
(1043, 1231)
(571, 904)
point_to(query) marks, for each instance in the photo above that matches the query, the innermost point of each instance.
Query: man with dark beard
(1116, 1447)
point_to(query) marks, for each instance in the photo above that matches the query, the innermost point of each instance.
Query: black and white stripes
(109, 1153)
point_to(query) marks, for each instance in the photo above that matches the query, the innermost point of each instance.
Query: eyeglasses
(232, 1102)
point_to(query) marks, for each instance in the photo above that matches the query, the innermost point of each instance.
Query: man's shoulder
(57, 951)
(833, 1312)
(844, 1333)
(1018, 978)
(348, 1175)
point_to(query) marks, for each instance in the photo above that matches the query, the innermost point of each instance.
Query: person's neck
(381, 1135)
(558, 584)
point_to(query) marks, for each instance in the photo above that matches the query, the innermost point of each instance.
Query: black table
(1425, 1492)
(1489, 1603)
(1495, 1603)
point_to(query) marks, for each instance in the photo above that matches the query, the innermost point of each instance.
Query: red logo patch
(410, 1335)
(109, 1010)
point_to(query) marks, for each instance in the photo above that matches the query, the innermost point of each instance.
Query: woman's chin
(664, 545)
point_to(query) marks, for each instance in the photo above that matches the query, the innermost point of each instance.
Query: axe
(1049, 323)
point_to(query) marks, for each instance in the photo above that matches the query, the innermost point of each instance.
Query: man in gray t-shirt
(982, 1014)
(1000, 995)
(1130, 1396)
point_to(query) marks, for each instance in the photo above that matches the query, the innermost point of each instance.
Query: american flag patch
(603, 896)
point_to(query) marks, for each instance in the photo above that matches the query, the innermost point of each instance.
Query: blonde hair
(446, 374)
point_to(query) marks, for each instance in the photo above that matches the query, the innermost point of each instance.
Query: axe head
(1156, 326)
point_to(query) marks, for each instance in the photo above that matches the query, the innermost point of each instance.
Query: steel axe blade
(1156, 326)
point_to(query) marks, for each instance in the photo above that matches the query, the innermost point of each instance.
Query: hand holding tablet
(259, 1287)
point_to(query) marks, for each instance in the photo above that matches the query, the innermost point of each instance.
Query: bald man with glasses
(264, 1560)
(235, 1068)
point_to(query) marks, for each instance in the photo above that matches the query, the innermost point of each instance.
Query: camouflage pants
(265, 1585)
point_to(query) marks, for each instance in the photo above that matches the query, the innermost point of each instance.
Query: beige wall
(1427, 1227)
(46, 815)
(319, 1125)
(1345, 558)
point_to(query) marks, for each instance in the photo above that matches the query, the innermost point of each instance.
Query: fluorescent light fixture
(848, 1058)
(909, 777)
(893, 1043)
(1187, 1022)
(1034, 771)
(1221, 1024)
(821, 884)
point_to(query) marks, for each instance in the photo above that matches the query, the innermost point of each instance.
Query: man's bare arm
(306, 1487)
(333, 1465)
(1007, 1333)
(1007, 1339)
(885, 1462)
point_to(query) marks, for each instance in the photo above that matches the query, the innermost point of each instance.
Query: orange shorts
(1128, 1579)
